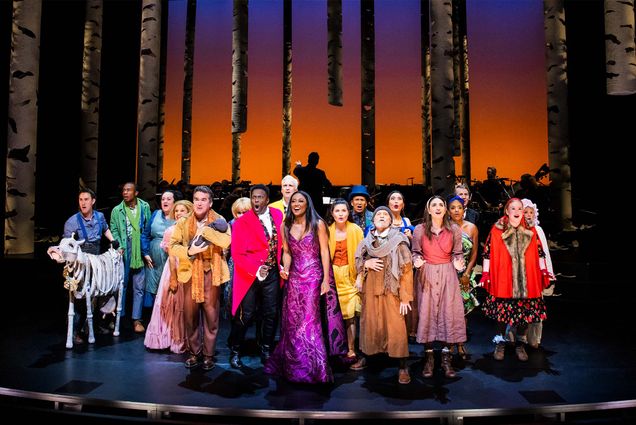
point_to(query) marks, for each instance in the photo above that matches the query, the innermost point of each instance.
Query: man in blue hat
(359, 200)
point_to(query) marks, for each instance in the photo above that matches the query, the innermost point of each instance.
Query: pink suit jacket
(249, 251)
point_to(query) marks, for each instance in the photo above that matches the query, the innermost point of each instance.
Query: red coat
(530, 279)
(249, 251)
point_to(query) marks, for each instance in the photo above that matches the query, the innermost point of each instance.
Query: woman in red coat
(514, 274)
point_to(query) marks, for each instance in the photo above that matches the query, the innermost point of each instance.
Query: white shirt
(266, 219)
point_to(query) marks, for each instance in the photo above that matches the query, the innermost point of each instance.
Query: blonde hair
(241, 204)
(187, 204)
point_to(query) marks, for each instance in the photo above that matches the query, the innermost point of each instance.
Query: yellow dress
(348, 295)
(344, 268)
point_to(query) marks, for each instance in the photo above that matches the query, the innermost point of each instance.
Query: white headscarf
(527, 203)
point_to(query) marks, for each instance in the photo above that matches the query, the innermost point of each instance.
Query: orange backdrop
(508, 126)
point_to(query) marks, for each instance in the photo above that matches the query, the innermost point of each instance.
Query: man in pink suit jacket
(256, 250)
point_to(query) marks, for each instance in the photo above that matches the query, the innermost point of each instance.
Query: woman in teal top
(159, 221)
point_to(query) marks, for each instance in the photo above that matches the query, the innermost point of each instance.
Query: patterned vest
(272, 243)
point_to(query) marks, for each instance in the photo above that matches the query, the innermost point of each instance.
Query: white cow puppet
(88, 276)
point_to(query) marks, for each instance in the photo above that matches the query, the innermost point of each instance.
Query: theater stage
(584, 367)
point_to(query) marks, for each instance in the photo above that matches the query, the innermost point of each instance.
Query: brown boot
(500, 350)
(403, 376)
(462, 352)
(429, 365)
(446, 364)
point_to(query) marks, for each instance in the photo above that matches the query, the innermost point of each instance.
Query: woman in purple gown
(312, 328)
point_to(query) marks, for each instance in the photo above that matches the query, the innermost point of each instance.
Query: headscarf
(527, 203)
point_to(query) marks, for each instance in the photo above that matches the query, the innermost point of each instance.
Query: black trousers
(264, 295)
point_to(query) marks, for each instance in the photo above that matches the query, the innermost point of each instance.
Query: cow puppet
(88, 276)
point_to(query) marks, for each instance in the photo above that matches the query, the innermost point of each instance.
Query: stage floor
(587, 356)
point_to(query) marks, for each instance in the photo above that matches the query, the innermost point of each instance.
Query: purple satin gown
(311, 329)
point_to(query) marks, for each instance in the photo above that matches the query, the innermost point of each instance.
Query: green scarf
(135, 238)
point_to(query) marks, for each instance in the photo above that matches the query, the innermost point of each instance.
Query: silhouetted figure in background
(492, 189)
(313, 180)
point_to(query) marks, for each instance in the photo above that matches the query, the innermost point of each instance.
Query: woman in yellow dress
(344, 237)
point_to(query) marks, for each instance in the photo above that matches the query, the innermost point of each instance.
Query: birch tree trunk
(188, 71)
(620, 65)
(443, 164)
(367, 25)
(334, 51)
(557, 82)
(287, 85)
(162, 87)
(239, 83)
(148, 105)
(464, 124)
(457, 111)
(22, 131)
(91, 77)
(425, 73)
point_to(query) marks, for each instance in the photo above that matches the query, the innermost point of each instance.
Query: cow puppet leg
(119, 300)
(89, 318)
(71, 317)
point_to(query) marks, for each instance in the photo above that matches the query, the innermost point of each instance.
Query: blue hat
(359, 190)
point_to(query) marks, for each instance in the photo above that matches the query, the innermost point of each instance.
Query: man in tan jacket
(198, 242)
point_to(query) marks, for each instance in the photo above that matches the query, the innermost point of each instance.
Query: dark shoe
(500, 350)
(235, 359)
(429, 365)
(78, 340)
(360, 364)
(265, 353)
(403, 376)
(192, 361)
(446, 364)
(521, 353)
(208, 363)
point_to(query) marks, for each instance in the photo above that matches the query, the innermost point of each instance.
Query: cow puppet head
(66, 251)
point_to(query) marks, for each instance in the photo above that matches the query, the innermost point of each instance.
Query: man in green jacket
(127, 223)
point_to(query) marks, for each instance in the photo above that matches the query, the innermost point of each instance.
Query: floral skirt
(515, 311)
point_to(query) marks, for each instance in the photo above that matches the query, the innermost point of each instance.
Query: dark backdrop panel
(60, 90)
(601, 128)
(118, 103)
